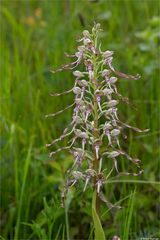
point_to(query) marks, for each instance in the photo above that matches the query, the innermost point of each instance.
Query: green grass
(34, 36)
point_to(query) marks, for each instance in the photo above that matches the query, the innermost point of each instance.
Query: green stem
(96, 132)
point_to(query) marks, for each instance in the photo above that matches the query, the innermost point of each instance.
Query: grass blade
(129, 216)
(26, 167)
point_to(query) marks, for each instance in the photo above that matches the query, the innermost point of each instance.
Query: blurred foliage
(34, 36)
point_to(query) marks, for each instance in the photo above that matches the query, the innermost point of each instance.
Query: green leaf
(99, 233)
(129, 214)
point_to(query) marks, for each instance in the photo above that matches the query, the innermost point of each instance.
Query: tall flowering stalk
(95, 128)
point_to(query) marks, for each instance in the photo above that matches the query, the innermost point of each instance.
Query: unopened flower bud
(86, 33)
(98, 26)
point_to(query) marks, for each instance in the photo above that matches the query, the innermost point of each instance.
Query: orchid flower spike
(95, 129)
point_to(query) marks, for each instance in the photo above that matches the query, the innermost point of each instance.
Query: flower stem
(95, 133)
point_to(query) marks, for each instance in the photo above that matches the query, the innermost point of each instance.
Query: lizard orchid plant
(95, 128)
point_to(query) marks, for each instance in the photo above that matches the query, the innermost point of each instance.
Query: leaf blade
(99, 233)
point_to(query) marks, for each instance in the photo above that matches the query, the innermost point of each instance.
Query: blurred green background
(34, 36)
